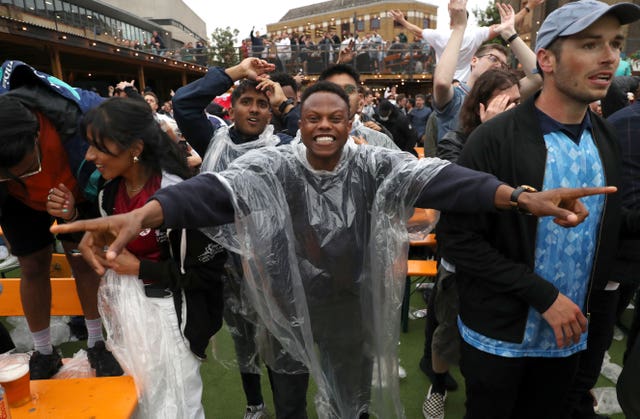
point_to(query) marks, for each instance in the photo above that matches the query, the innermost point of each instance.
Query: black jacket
(494, 253)
(201, 281)
(399, 126)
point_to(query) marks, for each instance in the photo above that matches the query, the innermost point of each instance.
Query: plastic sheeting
(238, 314)
(324, 257)
(76, 367)
(142, 337)
(23, 340)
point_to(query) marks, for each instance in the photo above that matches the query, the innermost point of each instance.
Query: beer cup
(14, 377)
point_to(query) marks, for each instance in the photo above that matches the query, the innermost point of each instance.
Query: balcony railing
(400, 58)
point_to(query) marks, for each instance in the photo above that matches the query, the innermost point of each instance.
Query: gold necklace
(133, 189)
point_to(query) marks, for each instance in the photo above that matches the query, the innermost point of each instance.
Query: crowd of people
(373, 54)
(190, 52)
(282, 211)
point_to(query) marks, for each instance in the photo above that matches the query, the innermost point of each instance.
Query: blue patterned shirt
(563, 256)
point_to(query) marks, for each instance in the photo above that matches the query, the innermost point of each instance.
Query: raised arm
(398, 16)
(532, 82)
(526, 9)
(443, 75)
(190, 101)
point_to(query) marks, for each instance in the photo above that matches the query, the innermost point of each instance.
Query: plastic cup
(15, 378)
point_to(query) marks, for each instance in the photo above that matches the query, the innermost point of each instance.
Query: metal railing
(400, 58)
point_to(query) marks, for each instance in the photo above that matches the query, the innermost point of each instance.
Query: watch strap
(513, 201)
(284, 105)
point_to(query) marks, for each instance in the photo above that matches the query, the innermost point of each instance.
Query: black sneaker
(450, 383)
(43, 367)
(78, 328)
(103, 361)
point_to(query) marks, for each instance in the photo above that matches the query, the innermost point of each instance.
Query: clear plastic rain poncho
(325, 257)
(238, 315)
(162, 365)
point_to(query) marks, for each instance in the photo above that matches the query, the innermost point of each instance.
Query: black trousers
(289, 394)
(515, 388)
(602, 318)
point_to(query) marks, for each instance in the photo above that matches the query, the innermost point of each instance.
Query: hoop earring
(135, 159)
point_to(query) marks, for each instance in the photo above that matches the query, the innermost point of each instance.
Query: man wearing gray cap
(525, 283)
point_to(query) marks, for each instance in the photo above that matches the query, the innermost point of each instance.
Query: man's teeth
(324, 140)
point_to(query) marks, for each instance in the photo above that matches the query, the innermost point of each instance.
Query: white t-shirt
(473, 38)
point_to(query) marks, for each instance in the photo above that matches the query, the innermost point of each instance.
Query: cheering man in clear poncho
(322, 228)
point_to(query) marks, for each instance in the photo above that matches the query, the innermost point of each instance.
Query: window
(360, 25)
(48, 4)
(40, 8)
(426, 22)
(374, 23)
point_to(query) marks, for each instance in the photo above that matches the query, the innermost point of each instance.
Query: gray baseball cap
(576, 16)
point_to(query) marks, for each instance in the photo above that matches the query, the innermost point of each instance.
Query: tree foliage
(223, 53)
(489, 16)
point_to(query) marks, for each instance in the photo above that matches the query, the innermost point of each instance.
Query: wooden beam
(141, 81)
(54, 56)
(64, 298)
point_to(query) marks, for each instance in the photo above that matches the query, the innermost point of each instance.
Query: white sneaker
(618, 334)
(402, 373)
(4, 252)
(433, 406)
(257, 412)
(9, 263)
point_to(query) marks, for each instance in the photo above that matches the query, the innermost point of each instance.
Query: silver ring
(49, 197)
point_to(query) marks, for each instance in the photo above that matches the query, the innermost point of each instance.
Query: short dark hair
(340, 69)
(284, 79)
(244, 86)
(556, 48)
(19, 127)
(385, 108)
(325, 86)
(150, 93)
(486, 48)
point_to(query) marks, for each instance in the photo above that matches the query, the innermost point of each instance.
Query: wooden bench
(64, 298)
(97, 397)
(59, 266)
(422, 269)
(425, 269)
(75, 398)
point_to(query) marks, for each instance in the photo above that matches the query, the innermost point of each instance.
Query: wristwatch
(284, 105)
(513, 201)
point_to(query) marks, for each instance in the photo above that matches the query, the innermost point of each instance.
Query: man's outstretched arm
(459, 189)
(177, 206)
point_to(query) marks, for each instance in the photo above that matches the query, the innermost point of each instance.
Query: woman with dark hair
(494, 92)
(162, 298)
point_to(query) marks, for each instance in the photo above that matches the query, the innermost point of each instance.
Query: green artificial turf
(223, 396)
